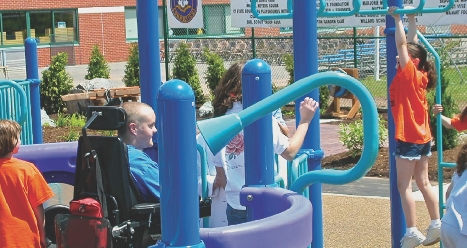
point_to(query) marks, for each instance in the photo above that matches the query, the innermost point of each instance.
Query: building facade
(76, 26)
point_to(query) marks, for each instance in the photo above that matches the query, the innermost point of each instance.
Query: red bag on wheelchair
(84, 227)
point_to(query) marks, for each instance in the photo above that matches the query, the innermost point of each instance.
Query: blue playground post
(397, 213)
(178, 173)
(32, 75)
(305, 40)
(259, 159)
(147, 13)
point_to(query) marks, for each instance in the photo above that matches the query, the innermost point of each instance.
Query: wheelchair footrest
(145, 208)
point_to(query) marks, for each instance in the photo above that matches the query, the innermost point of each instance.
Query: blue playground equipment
(275, 226)
(304, 18)
(20, 99)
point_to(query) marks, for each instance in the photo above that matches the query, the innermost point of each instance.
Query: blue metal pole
(397, 213)
(32, 75)
(177, 163)
(149, 61)
(259, 159)
(305, 37)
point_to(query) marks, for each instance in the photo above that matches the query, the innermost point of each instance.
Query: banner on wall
(185, 14)
(240, 11)
(242, 16)
(456, 15)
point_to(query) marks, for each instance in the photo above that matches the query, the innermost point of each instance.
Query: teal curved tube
(219, 131)
(24, 104)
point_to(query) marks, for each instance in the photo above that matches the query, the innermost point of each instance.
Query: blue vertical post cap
(256, 66)
(175, 89)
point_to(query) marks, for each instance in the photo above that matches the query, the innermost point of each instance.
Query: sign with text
(242, 16)
(456, 15)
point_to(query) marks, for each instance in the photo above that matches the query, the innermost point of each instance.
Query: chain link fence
(362, 48)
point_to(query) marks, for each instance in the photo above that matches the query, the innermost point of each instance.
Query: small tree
(450, 108)
(98, 67)
(323, 90)
(185, 69)
(55, 83)
(131, 77)
(215, 70)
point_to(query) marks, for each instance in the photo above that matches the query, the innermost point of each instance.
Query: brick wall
(62, 4)
(107, 30)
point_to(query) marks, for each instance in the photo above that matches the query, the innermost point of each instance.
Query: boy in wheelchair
(116, 172)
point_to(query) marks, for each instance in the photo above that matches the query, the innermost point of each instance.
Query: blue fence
(15, 102)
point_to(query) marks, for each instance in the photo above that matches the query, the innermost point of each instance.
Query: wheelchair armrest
(145, 208)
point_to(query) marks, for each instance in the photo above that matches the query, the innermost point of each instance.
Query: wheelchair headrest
(109, 118)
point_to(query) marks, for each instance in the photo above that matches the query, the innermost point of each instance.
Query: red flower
(235, 146)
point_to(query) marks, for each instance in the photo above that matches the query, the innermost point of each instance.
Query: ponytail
(463, 114)
(429, 68)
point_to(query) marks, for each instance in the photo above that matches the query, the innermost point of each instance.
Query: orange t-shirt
(458, 124)
(23, 188)
(409, 105)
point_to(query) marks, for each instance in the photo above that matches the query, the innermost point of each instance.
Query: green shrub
(215, 70)
(74, 120)
(351, 135)
(56, 82)
(185, 69)
(97, 67)
(109, 133)
(449, 139)
(71, 136)
(77, 120)
(131, 77)
(323, 90)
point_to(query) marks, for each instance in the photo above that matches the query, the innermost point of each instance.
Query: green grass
(457, 87)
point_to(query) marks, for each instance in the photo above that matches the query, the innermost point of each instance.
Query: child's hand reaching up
(308, 108)
(410, 15)
(391, 12)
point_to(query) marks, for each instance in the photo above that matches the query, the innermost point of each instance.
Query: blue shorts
(412, 151)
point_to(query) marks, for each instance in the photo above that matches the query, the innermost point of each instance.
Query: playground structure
(342, 93)
(304, 83)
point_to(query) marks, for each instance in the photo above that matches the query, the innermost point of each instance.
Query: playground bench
(100, 96)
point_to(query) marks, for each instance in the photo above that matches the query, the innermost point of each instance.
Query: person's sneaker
(432, 235)
(413, 240)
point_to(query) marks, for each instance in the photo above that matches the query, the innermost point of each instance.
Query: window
(14, 28)
(46, 26)
(131, 25)
(64, 26)
(217, 22)
(41, 22)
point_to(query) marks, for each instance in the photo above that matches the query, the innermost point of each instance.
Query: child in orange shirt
(459, 122)
(415, 75)
(24, 190)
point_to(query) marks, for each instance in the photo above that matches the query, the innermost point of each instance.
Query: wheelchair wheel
(50, 213)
